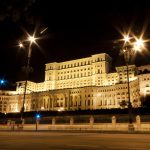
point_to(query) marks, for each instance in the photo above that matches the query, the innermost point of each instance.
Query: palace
(80, 84)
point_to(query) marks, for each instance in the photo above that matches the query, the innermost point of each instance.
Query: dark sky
(75, 30)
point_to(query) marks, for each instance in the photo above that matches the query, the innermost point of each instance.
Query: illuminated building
(81, 84)
(144, 80)
(8, 101)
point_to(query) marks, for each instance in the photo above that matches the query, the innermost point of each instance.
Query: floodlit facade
(8, 101)
(144, 80)
(80, 84)
(89, 71)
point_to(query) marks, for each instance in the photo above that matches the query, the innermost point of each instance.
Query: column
(91, 120)
(71, 121)
(113, 121)
(53, 121)
(138, 122)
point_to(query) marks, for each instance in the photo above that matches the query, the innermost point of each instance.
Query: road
(73, 141)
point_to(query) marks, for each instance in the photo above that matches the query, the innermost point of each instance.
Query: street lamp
(2, 82)
(38, 116)
(31, 40)
(129, 48)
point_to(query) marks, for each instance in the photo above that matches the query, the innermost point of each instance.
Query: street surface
(72, 141)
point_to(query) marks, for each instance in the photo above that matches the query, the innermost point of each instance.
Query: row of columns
(91, 120)
(11, 124)
(49, 102)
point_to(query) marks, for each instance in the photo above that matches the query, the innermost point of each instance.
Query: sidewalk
(81, 131)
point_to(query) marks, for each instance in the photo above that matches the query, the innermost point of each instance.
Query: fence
(79, 123)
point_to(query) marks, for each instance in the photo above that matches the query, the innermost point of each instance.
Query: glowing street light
(31, 40)
(38, 117)
(126, 38)
(138, 45)
(129, 48)
(2, 82)
(21, 45)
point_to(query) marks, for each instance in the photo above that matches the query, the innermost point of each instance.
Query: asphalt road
(73, 141)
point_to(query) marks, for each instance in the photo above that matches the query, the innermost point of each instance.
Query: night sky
(75, 30)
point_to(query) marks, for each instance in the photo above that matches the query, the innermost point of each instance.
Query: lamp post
(127, 60)
(38, 116)
(32, 40)
(128, 50)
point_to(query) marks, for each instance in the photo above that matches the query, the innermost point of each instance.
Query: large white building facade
(80, 84)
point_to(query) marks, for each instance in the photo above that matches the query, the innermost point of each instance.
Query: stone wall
(90, 126)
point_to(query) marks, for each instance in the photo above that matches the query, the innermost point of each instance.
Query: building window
(88, 102)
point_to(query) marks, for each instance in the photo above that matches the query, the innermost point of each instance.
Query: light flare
(126, 38)
(21, 45)
(32, 39)
(139, 45)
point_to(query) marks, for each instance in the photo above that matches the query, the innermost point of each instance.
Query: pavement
(72, 141)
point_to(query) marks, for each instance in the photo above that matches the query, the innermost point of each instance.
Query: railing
(52, 124)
